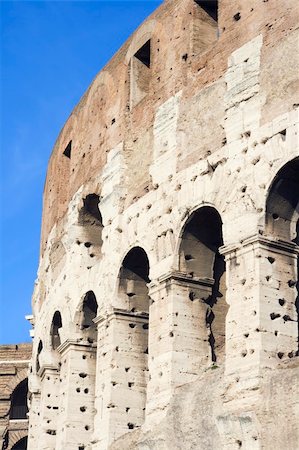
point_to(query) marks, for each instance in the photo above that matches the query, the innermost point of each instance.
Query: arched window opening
(39, 350)
(55, 327)
(282, 224)
(21, 444)
(200, 259)
(132, 323)
(134, 276)
(90, 219)
(19, 408)
(89, 312)
(282, 207)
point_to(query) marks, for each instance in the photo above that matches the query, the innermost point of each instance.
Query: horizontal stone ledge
(180, 278)
(258, 240)
(123, 314)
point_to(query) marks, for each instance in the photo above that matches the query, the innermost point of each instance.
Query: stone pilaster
(122, 372)
(49, 407)
(179, 349)
(262, 319)
(34, 417)
(77, 391)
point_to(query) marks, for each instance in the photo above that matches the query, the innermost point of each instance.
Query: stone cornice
(47, 367)
(123, 314)
(176, 277)
(75, 343)
(258, 240)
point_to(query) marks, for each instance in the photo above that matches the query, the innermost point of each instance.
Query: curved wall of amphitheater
(166, 302)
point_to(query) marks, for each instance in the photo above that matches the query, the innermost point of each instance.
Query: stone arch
(54, 331)
(18, 440)
(97, 98)
(282, 202)
(141, 36)
(18, 405)
(200, 259)
(132, 280)
(282, 224)
(85, 315)
(20, 376)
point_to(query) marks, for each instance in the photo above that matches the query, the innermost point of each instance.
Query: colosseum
(167, 298)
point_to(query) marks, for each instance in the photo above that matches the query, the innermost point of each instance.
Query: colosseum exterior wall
(166, 302)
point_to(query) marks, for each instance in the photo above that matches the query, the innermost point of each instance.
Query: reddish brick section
(14, 366)
(176, 66)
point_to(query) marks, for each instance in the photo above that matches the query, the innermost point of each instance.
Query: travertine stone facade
(14, 367)
(166, 303)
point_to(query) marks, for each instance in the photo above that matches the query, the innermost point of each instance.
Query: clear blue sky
(50, 52)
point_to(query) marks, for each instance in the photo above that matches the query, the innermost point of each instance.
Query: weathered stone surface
(170, 242)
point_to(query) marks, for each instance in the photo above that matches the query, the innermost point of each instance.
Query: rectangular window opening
(210, 7)
(68, 150)
(140, 74)
(144, 54)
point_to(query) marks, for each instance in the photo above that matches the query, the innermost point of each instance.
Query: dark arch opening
(39, 350)
(18, 407)
(282, 214)
(133, 292)
(89, 312)
(136, 261)
(200, 258)
(134, 276)
(282, 206)
(21, 444)
(55, 327)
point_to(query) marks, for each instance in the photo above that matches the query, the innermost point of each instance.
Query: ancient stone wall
(166, 303)
(14, 368)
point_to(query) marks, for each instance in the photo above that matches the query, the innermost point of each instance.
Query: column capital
(46, 368)
(260, 241)
(182, 279)
(122, 314)
(74, 343)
